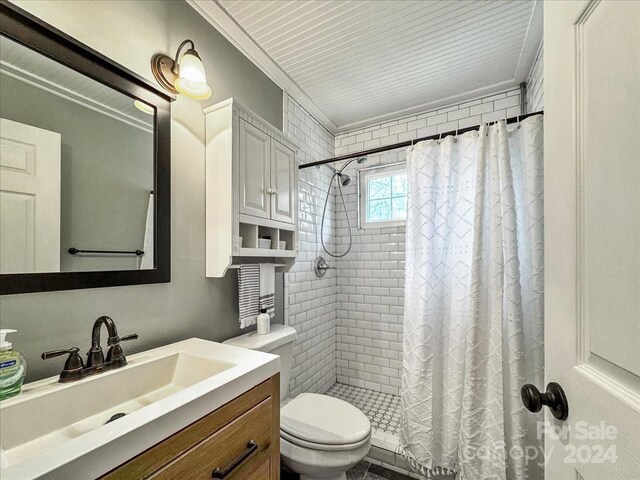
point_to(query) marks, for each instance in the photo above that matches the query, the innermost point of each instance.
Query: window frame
(363, 175)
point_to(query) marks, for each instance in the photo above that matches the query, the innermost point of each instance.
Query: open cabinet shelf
(267, 252)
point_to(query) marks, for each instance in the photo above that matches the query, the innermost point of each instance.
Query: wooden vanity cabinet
(238, 441)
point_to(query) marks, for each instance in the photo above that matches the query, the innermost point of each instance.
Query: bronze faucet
(74, 369)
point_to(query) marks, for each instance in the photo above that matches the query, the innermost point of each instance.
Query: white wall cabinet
(251, 190)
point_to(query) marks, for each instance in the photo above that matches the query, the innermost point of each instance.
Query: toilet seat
(319, 446)
(321, 422)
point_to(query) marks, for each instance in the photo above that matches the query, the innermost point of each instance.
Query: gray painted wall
(130, 32)
(106, 175)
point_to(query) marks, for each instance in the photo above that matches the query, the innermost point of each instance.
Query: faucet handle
(115, 355)
(115, 340)
(72, 367)
(57, 353)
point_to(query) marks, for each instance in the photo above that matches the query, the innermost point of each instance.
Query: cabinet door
(282, 182)
(254, 171)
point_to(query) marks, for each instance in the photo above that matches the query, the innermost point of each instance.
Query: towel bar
(74, 251)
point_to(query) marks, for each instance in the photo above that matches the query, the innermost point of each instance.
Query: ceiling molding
(227, 26)
(531, 45)
(430, 106)
(63, 92)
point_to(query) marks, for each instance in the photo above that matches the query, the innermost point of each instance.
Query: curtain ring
(518, 118)
(440, 138)
(455, 137)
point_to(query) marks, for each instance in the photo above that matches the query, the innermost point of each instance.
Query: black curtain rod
(408, 143)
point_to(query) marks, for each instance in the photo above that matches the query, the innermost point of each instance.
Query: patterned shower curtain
(473, 322)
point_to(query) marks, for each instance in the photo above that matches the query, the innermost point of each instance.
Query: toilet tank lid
(278, 336)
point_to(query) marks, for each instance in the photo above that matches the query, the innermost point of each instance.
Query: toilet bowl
(321, 437)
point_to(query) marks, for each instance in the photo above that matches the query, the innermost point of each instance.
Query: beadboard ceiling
(361, 62)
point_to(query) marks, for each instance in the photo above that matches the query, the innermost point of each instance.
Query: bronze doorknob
(554, 398)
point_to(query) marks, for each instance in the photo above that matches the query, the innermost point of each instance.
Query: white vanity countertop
(104, 447)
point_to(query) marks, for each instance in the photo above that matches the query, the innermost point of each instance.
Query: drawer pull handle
(251, 447)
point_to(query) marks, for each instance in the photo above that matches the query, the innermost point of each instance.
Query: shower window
(383, 196)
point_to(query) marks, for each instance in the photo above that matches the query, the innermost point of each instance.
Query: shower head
(344, 179)
(360, 161)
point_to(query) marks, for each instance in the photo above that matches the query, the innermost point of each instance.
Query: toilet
(321, 437)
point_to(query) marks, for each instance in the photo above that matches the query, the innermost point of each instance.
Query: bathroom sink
(51, 425)
(57, 415)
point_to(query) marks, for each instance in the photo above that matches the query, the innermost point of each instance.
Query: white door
(29, 199)
(592, 236)
(282, 182)
(254, 171)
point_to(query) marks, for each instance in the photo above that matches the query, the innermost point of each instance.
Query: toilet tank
(278, 342)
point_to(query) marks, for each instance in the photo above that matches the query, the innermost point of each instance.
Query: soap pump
(13, 367)
(264, 322)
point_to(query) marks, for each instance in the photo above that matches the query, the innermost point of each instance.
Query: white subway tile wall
(370, 280)
(310, 302)
(535, 83)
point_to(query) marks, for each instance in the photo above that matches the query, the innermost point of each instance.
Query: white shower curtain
(473, 322)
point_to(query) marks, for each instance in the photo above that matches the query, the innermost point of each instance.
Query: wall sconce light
(184, 74)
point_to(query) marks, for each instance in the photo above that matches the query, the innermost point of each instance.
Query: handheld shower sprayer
(342, 180)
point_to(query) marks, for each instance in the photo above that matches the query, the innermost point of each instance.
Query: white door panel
(282, 182)
(17, 232)
(592, 236)
(254, 171)
(29, 199)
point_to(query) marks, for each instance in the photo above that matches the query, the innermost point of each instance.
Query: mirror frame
(28, 30)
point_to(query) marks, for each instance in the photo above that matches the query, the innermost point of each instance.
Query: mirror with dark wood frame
(85, 157)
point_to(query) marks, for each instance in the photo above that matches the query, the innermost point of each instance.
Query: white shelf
(266, 252)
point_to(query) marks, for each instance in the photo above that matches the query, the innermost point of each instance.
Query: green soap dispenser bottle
(13, 367)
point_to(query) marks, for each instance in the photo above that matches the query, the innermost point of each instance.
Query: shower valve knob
(554, 398)
(321, 266)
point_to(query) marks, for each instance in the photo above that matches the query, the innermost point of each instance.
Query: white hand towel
(146, 260)
(268, 287)
(248, 294)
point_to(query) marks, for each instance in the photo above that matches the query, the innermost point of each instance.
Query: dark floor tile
(376, 472)
(359, 471)
(287, 475)
(373, 476)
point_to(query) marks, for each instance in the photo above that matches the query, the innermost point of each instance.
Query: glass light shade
(192, 81)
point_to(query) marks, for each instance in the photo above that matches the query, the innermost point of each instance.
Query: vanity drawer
(234, 450)
(216, 440)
